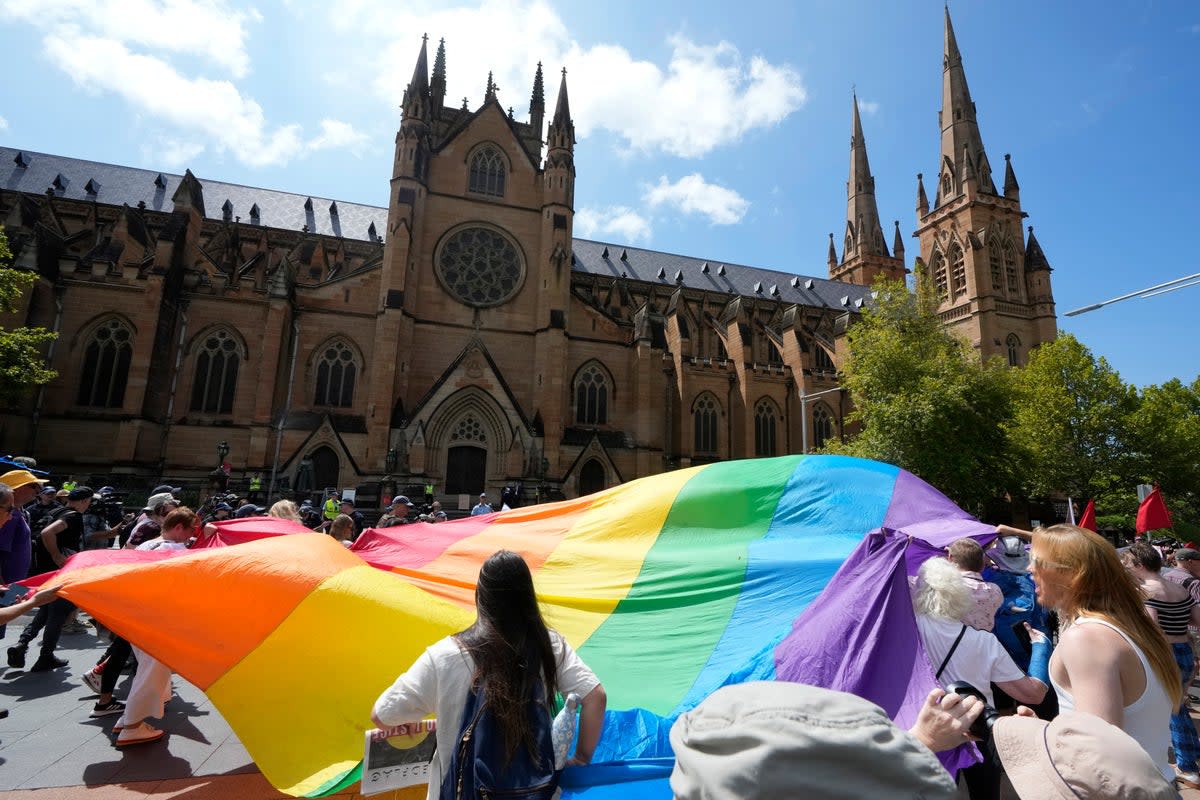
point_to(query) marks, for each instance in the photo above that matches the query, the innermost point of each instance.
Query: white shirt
(438, 684)
(979, 659)
(162, 544)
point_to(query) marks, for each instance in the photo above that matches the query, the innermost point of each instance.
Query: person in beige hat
(1078, 755)
(772, 739)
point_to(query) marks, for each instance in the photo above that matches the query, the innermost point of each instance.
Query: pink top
(985, 600)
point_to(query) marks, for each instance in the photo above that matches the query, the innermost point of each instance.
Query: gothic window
(480, 267)
(591, 396)
(336, 373)
(705, 412)
(765, 416)
(216, 374)
(1013, 344)
(468, 429)
(106, 366)
(1010, 272)
(958, 270)
(487, 172)
(822, 425)
(821, 360)
(940, 276)
(994, 264)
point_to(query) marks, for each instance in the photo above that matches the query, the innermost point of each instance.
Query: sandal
(141, 733)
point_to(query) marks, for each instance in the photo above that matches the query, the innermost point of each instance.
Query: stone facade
(461, 336)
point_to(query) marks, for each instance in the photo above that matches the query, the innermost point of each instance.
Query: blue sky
(712, 129)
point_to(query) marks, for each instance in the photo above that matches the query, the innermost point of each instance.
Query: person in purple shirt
(15, 542)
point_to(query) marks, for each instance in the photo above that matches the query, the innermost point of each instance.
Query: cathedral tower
(865, 254)
(993, 291)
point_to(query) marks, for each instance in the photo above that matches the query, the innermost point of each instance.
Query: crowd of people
(1064, 660)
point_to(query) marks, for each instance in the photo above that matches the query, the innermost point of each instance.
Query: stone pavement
(50, 749)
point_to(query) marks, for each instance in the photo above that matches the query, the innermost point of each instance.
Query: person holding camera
(958, 652)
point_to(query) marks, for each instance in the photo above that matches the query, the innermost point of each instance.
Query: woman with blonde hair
(1112, 660)
(285, 509)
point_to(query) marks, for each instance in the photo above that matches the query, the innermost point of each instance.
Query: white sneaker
(92, 679)
(1189, 779)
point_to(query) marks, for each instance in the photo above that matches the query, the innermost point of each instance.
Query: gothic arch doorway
(592, 477)
(325, 467)
(466, 469)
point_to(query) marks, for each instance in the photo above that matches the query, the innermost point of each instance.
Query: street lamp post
(804, 398)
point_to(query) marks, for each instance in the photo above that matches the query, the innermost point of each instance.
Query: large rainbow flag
(669, 587)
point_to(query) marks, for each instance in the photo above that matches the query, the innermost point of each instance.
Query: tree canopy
(22, 362)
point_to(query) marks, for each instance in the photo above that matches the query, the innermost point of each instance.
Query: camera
(981, 728)
(108, 507)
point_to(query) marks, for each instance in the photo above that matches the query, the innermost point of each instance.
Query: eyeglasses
(1041, 563)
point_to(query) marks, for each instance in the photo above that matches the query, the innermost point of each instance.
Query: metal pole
(1149, 291)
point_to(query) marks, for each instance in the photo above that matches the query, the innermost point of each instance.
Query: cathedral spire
(898, 244)
(437, 86)
(561, 134)
(863, 231)
(416, 96)
(832, 259)
(537, 103)
(922, 199)
(960, 129)
(490, 92)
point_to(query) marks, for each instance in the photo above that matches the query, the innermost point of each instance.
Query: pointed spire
(416, 96)
(537, 102)
(922, 200)
(960, 129)
(562, 130)
(490, 92)
(862, 211)
(898, 243)
(1012, 189)
(437, 86)
(1035, 259)
(968, 167)
(833, 258)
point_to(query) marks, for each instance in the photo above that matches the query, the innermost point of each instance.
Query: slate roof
(77, 179)
(115, 185)
(670, 270)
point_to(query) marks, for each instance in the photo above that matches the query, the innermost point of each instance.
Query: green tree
(924, 400)
(22, 364)
(1164, 446)
(1071, 425)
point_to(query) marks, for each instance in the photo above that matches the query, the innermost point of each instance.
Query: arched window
(487, 172)
(821, 360)
(994, 264)
(106, 366)
(336, 373)
(1010, 272)
(216, 374)
(1013, 344)
(765, 417)
(705, 412)
(591, 396)
(822, 425)
(592, 477)
(958, 270)
(937, 269)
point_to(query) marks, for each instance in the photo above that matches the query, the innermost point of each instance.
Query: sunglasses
(1043, 564)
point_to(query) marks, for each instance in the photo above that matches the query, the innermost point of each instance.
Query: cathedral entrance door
(325, 468)
(466, 470)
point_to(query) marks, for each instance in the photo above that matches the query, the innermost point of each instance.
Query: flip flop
(152, 735)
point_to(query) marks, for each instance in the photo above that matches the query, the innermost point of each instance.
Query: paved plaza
(51, 749)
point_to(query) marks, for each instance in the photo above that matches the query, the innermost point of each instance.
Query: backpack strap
(946, 660)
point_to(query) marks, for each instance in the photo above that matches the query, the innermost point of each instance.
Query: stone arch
(469, 418)
(593, 392)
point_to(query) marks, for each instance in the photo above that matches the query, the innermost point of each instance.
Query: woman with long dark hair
(509, 659)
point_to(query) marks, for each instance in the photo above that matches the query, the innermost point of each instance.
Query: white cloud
(868, 107)
(338, 135)
(704, 97)
(691, 194)
(209, 110)
(211, 30)
(3, 124)
(620, 221)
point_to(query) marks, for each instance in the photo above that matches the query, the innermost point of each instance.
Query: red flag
(1088, 520)
(1152, 513)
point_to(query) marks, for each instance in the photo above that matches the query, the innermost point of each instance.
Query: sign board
(397, 757)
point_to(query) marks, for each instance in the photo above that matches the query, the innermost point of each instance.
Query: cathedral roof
(92, 181)
(670, 270)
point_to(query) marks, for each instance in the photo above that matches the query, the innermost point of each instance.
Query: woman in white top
(500, 656)
(1111, 660)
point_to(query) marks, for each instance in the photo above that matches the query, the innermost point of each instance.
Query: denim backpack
(477, 767)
